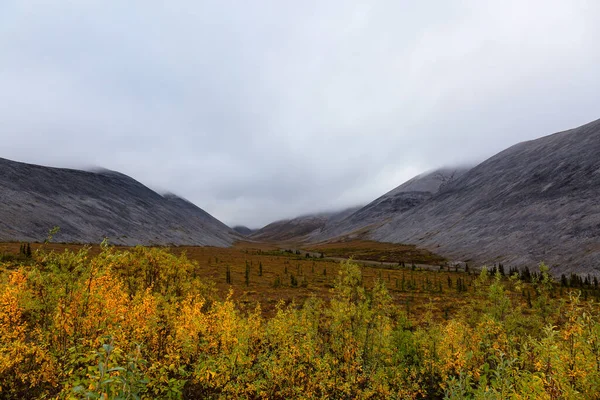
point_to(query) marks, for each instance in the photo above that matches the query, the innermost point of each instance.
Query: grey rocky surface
(88, 206)
(397, 201)
(243, 230)
(536, 201)
(300, 228)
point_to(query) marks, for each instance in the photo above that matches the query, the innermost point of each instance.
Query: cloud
(263, 110)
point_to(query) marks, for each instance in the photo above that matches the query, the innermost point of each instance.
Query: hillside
(536, 201)
(399, 200)
(243, 230)
(88, 206)
(300, 228)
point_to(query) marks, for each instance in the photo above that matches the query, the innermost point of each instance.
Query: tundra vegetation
(146, 323)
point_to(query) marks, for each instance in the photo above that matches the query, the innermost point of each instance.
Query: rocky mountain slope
(243, 230)
(300, 228)
(536, 201)
(88, 206)
(397, 201)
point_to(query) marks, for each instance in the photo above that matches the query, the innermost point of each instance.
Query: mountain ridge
(299, 228)
(532, 202)
(400, 199)
(89, 206)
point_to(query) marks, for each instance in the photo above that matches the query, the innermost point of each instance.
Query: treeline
(144, 324)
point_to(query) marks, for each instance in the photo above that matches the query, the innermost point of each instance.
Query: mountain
(243, 230)
(399, 200)
(88, 206)
(300, 228)
(536, 201)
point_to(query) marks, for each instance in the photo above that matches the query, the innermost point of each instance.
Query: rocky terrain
(536, 201)
(397, 201)
(88, 206)
(300, 228)
(243, 230)
(351, 221)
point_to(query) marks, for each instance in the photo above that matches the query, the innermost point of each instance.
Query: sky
(262, 110)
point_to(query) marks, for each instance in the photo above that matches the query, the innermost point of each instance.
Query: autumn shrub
(144, 324)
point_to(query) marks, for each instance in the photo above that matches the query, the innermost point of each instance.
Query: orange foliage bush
(143, 324)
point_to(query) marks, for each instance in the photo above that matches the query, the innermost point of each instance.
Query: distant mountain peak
(300, 228)
(243, 230)
(398, 200)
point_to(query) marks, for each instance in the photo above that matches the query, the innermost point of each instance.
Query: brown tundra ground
(418, 280)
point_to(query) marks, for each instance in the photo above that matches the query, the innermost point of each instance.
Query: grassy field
(421, 285)
(415, 290)
(377, 251)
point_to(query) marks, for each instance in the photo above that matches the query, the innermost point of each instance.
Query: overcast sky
(261, 110)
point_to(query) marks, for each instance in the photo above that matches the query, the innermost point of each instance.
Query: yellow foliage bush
(143, 324)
